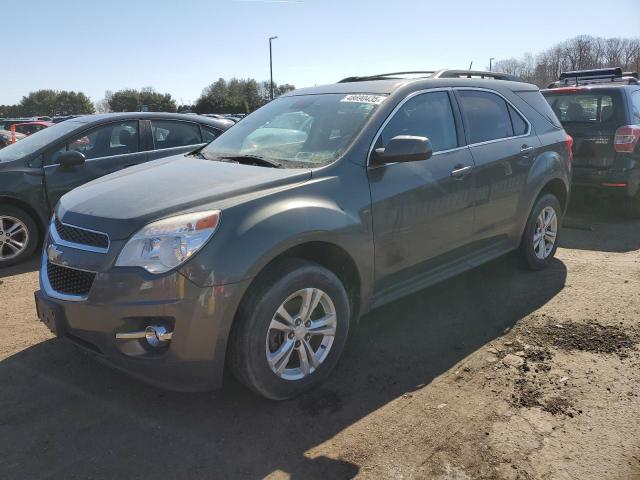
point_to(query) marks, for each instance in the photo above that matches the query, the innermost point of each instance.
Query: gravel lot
(497, 373)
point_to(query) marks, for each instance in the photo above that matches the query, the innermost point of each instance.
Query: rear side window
(589, 108)
(426, 115)
(170, 134)
(486, 116)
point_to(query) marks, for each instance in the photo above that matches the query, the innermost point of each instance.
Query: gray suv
(258, 251)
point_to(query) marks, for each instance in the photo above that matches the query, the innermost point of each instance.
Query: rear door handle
(526, 148)
(459, 171)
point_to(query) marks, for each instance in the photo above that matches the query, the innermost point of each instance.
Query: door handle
(459, 171)
(526, 148)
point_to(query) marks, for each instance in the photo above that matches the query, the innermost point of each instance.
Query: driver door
(422, 211)
(107, 148)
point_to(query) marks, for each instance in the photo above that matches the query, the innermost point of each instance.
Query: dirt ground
(497, 373)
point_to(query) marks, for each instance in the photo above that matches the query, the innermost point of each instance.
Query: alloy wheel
(14, 237)
(546, 231)
(301, 334)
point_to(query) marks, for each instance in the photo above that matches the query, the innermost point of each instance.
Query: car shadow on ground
(63, 415)
(601, 225)
(31, 265)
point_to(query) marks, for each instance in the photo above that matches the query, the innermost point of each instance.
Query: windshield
(591, 108)
(33, 142)
(298, 132)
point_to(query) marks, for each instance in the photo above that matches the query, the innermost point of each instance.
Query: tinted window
(104, 141)
(209, 134)
(583, 107)
(170, 134)
(536, 101)
(486, 116)
(635, 107)
(427, 115)
(519, 125)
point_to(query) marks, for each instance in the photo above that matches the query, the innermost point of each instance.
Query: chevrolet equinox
(258, 250)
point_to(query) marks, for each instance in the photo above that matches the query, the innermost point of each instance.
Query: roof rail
(475, 74)
(598, 75)
(388, 76)
(435, 74)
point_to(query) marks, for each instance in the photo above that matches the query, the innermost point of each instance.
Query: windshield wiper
(252, 160)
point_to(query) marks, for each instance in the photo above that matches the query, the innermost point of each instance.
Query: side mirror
(71, 158)
(404, 148)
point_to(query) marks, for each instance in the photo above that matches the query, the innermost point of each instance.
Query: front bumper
(127, 300)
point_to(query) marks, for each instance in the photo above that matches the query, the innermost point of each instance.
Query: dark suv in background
(259, 250)
(36, 171)
(600, 109)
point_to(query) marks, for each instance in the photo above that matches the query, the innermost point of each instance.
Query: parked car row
(38, 170)
(259, 249)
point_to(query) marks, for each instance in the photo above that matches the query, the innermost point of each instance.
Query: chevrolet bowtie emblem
(54, 255)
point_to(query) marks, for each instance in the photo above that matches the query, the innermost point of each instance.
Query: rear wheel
(540, 239)
(18, 235)
(292, 329)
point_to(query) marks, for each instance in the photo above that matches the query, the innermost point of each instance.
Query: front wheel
(292, 329)
(18, 235)
(540, 239)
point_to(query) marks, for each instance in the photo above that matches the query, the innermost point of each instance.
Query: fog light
(157, 336)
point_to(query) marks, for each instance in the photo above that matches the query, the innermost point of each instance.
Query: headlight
(167, 243)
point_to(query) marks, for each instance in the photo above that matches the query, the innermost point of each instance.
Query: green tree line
(222, 96)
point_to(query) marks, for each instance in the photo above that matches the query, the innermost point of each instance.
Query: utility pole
(271, 63)
(491, 63)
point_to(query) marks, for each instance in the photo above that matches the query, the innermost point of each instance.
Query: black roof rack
(475, 74)
(389, 76)
(435, 74)
(598, 75)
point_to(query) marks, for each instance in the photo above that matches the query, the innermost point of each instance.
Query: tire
(16, 227)
(534, 258)
(253, 337)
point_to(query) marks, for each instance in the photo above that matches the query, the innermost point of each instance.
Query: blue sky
(180, 46)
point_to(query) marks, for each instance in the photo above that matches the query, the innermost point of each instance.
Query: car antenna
(471, 65)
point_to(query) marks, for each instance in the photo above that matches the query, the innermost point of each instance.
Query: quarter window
(426, 115)
(635, 102)
(518, 123)
(486, 116)
(170, 134)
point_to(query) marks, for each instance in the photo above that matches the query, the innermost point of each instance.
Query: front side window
(209, 134)
(486, 116)
(104, 141)
(304, 131)
(171, 134)
(426, 115)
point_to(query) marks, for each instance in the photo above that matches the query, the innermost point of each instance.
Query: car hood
(123, 202)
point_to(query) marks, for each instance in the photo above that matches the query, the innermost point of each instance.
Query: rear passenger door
(107, 149)
(174, 137)
(422, 211)
(503, 146)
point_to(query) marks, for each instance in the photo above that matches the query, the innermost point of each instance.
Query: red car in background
(27, 128)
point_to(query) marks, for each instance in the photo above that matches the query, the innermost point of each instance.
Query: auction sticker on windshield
(371, 99)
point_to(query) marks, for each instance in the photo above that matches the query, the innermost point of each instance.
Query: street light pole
(271, 63)
(491, 63)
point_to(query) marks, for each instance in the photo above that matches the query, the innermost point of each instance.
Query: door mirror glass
(71, 158)
(404, 148)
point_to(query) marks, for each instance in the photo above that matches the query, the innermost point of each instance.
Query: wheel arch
(21, 204)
